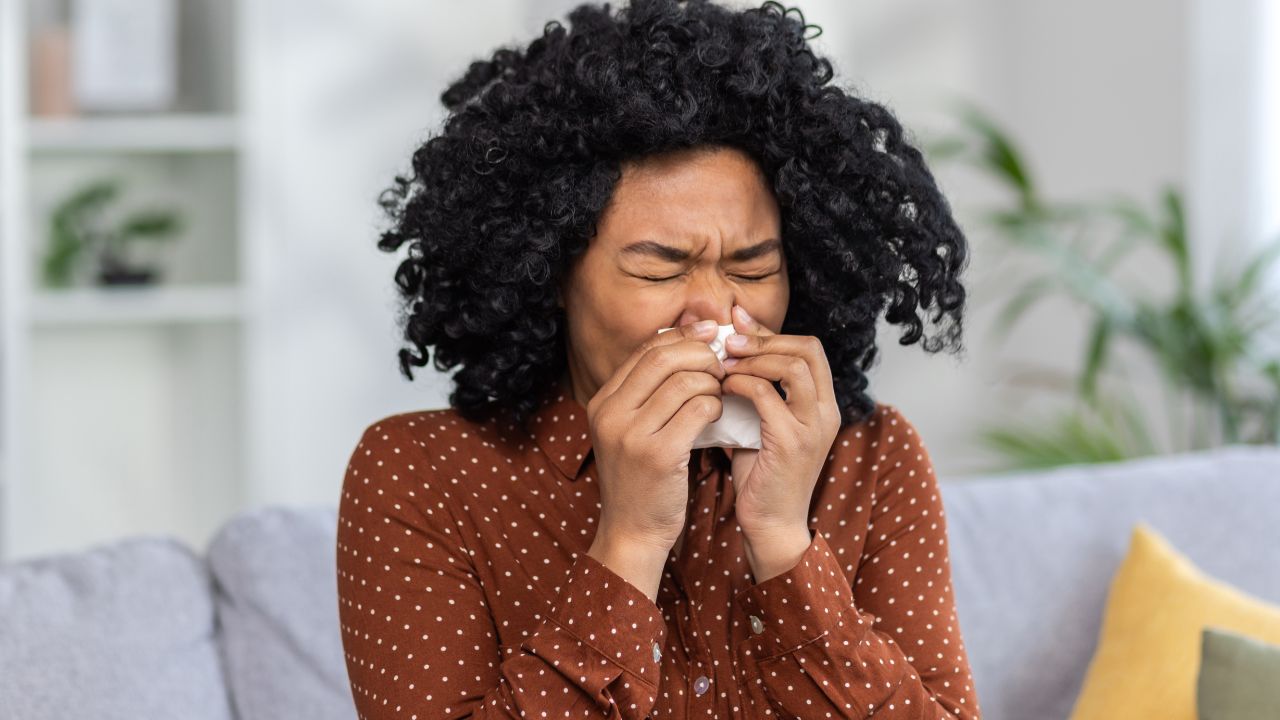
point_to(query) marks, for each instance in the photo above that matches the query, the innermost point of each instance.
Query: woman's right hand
(643, 422)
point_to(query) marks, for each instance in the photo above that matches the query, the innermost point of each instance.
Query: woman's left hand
(774, 485)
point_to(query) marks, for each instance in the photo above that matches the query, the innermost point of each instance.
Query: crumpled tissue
(739, 423)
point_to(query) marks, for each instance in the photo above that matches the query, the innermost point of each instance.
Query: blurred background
(195, 320)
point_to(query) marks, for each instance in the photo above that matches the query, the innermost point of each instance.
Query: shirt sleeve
(890, 645)
(418, 636)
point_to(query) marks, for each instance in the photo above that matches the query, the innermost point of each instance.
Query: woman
(551, 545)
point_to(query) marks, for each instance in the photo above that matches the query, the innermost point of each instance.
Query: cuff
(608, 617)
(798, 606)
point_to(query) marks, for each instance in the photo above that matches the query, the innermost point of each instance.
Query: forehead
(690, 197)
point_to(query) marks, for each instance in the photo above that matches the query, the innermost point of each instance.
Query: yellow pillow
(1148, 652)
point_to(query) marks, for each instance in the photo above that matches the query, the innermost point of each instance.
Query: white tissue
(739, 423)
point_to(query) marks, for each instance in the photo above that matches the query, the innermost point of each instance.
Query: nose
(710, 300)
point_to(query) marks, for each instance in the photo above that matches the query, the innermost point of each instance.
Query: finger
(744, 324)
(793, 373)
(696, 413)
(659, 362)
(680, 387)
(769, 405)
(805, 347)
(658, 339)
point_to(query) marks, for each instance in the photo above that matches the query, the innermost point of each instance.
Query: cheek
(608, 333)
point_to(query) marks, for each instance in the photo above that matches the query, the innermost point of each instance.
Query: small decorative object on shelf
(78, 225)
(124, 54)
(51, 72)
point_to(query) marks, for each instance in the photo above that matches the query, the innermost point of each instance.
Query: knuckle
(626, 444)
(602, 428)
(686, 382)
(700, 381)
(601, 420)
(658, 358)
(797, 366)
(710, 406)
(710, 381)
(643, 348)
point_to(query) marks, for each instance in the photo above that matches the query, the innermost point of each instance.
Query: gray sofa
(147, 628)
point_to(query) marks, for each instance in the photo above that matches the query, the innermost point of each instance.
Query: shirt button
(701, 684)
(657, 653)
(757, 626)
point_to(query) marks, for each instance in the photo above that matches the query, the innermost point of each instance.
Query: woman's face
(708, 222)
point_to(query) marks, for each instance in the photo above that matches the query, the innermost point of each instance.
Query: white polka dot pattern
(465, 587)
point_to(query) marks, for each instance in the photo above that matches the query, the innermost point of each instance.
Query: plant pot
(116, 275)
(129, 276)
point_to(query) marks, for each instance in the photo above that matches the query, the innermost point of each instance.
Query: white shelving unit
(88, 307)
(128, 410)
(170, 133)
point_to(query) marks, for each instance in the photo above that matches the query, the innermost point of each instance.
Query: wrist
(774, 552)
(639, 562)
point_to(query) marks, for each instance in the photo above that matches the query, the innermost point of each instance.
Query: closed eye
(749, 278)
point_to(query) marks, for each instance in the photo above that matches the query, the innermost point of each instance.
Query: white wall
(342, 92)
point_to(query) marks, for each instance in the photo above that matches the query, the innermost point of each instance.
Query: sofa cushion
(120, 630)
(1237, 676)
(1149, 650)
(1033, 554)
(277, 602)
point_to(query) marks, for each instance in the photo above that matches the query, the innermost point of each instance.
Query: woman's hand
(643, 422)
(774, 485)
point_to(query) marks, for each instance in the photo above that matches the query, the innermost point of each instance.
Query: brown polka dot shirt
(465, 587)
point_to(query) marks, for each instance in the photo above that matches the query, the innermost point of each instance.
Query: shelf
(123, 306)
(159, 133)
(155, 382)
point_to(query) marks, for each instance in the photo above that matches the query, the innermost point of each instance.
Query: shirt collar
(561, 430)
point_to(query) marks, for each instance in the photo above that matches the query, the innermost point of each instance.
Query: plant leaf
(1095, 356)
(1254, 270)
(1173, 231)
(149, 224)
(1000, 155)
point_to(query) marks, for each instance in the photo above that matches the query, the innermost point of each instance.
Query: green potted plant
(1210, 347)
(79, 225)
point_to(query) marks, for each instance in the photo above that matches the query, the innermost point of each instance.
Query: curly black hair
(501, 201)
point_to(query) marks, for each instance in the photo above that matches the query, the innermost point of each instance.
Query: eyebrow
(675, 254)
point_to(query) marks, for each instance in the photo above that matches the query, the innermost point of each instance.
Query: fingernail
(742, 313)
(730, 362)
(736, 342)
(703, 326)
